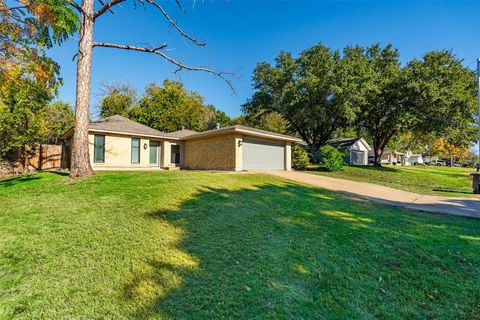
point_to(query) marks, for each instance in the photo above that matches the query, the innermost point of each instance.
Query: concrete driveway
(456, 206)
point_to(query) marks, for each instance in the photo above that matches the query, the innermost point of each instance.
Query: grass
(206, 245)
(440, 181)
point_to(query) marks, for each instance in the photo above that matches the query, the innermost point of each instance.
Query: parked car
(437, 163)
(452, 164)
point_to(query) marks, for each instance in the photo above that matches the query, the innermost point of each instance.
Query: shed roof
(346, 143)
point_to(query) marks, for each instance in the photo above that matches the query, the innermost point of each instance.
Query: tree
(22, 105)
(171, 106)
(306, 92)
(271, 121)
(80, 164)
(28, 78)
(443, 148)
(382, 112)
(117, 99)
(213, 116)
(441, 93)
(58, 117)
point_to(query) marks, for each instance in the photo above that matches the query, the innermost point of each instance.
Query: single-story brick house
(118, 143)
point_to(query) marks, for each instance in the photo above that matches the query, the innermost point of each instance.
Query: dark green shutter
(135, 150)
(99, 149)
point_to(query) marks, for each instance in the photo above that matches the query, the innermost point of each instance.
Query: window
(175, 154)
(98, 148)
(135, 150)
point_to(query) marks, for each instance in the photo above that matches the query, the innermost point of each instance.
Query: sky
(240, 34)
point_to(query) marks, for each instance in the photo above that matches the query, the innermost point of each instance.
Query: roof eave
(244, 131)
(133, 134)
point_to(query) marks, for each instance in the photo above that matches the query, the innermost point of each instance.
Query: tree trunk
(80, 163)
(377, 157)
(377, 153)
(313, 152)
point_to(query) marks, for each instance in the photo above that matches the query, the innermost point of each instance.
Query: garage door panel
(263, 155)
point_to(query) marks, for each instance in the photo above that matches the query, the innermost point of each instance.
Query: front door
(154, 153)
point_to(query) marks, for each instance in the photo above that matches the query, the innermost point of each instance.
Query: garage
(263, 155)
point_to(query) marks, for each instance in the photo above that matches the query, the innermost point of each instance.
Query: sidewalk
(455, 206)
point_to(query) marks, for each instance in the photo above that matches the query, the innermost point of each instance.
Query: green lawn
(206, 245)
(441, 181)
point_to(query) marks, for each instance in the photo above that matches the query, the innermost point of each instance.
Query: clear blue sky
(240, 34)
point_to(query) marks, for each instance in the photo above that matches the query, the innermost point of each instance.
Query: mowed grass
(206, 245)
(431, 180)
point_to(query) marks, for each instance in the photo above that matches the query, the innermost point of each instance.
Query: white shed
(356, 150)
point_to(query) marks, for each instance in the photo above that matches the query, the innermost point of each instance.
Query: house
(356, 150)
(405, 159)
(388, 157)
(410, 159)
(118, 143)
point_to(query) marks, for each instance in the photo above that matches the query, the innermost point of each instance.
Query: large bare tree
(80, 165)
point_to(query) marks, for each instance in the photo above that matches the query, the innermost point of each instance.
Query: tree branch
(177, 63)
(106, 7)
(175, 25)
(75, 5)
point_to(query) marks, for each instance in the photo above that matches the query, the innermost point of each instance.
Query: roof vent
(217, 125)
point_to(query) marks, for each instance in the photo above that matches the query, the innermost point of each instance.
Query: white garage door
(263, 155)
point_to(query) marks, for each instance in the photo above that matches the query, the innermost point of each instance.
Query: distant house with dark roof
(118, 143)
(355, 149)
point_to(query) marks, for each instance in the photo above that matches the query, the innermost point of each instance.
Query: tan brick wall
(215, 153)
(118, 153)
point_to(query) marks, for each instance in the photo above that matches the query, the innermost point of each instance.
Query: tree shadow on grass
(366, 168)
(290, 251)
(16, 180)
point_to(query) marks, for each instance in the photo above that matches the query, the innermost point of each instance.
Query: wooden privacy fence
(47, 156)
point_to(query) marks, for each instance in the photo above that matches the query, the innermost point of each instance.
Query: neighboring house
(388, 157)
(392, 157)
(355, 149)
(118, 143)
(410, 159)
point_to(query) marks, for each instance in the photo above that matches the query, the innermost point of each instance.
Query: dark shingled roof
(244, 129)
(342, 143)
(121, 124)
(181, 133)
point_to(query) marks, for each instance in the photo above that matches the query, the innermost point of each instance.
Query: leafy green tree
(300, 159)
(28, 78)
(117, 99)
(306, 92)
(22, 109)
(58, 117)
(213, 116)
(331, 158)
(271, 121)
(171, 107)
(382, 112)
(441, 94)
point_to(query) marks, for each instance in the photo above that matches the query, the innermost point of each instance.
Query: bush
(331, 158)
(300, 159)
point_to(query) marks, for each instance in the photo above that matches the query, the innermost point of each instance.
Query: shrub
(300, 159)
(331, 158)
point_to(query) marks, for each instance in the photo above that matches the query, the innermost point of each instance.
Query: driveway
(455, 206)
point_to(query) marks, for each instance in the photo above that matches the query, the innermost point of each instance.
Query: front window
(99, 148)
(175, 154)
(135, 150)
